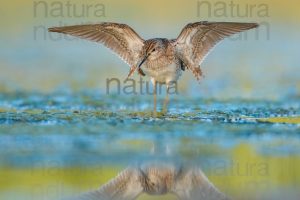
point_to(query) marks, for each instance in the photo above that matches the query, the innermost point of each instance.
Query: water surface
(54, 145)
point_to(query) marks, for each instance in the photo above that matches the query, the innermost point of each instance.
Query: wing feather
(196, 40)
(192, 184)
(120, 38)
(126, 186)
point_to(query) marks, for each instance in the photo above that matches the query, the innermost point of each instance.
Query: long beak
(142, 62)
(132, 69)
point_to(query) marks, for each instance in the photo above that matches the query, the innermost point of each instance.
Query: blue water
(65, 129)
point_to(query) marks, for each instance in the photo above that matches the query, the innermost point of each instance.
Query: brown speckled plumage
(161, 59)
(191, 46)
(186, 183)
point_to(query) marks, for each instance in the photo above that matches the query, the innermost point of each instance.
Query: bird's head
(152, 50)
(158, 178)
(156, 185)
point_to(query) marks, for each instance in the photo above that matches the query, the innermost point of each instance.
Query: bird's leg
(154, 98)
(166, 101)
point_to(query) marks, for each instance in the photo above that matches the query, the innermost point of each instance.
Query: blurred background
(259, 63)
(60, 133)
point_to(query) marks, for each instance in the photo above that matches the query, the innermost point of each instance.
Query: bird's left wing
(126, 186)
(120, 38)
(192, 184)
(196, 40)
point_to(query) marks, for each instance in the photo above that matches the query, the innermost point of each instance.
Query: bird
(163, 60)
(185, 182)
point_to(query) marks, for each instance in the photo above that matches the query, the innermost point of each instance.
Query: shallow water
(59, 144)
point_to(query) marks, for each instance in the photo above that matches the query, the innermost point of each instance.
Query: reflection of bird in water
(187, 183)
(161, 59)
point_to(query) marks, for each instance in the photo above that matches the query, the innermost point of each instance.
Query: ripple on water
(97, 129)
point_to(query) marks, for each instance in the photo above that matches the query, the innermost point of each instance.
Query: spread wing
(126, 186)
(192, 184)
(120, 38)
(196, 40)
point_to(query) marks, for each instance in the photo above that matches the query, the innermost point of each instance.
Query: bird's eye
(154, 50)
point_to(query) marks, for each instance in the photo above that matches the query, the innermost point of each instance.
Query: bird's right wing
(192, 184)
(126, 186)
(120, 38)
